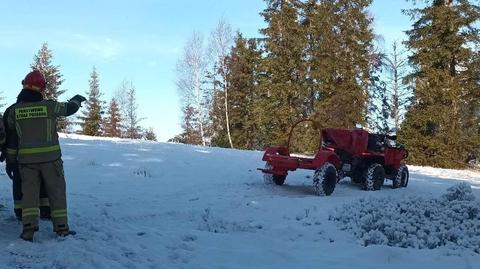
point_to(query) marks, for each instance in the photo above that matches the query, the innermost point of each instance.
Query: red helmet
(34, 81)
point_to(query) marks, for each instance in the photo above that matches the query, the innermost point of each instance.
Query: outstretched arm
(71, 107)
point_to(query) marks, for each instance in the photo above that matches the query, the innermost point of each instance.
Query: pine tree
(379, 105)
(399, 93)
(471, 112)
(129, 108)
(113, 126)
(2, 99)
(243, 81)
(92, 115)
(219, 133)
(341, 57)
(282, 85)
(150, 135)
(42, 61)
(438, 129)
(191, 134)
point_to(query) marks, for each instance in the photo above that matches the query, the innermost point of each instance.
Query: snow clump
(451, 221)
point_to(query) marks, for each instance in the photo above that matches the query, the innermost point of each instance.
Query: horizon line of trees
(118, 118)
(320, 59)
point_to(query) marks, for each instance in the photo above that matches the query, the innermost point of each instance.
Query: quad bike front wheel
(270, 179)
(374, 178)
(325, 179)
(400, 179)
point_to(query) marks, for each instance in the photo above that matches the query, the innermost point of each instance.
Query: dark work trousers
(45, 212)
(51, 175)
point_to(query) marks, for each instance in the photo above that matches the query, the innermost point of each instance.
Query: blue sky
(134, 40)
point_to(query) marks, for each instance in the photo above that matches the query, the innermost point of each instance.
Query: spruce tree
(379, 105)
(243, 80)
(2, 99)
(42, 61)
(282, 85)
(396, 64)
(150, 135)
(112, 126)
(439, 130)
(191, 134)
(129, 107)
(341, 55)
(92, 115)
(471, 113)
(219, 132)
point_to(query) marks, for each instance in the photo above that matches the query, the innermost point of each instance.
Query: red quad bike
(366, 158)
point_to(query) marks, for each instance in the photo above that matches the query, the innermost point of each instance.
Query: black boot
(65, 233)
(27, 234)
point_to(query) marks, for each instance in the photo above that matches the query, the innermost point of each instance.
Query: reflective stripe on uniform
(38, 150)
(59, 213)
(59, 107)
(76, 102)
(49, 130)
(19, 130)
(30, 212)
(44, 202)
(17, 204)
(12, 151)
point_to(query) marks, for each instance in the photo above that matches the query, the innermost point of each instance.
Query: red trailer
(364, 157)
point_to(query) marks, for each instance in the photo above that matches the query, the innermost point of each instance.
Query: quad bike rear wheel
(374, 178)
(401, 176)
(325, 179)
(269, 179)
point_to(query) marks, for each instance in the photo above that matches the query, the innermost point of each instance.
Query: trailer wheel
(279, 180)
(269, 179)
(325, 179)
(401, 177)
(374, 178)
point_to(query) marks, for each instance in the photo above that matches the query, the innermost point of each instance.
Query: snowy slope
(156, 205)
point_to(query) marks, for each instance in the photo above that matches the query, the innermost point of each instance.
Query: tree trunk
(199, 107)
(226, 107)
(202, 134)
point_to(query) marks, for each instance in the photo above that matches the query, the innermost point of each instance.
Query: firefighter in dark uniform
(36, 153)
(3, 137)
(2, 142)
(12, 170)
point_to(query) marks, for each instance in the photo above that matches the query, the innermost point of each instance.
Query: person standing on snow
(37, 154)
(13, 173)
(2, 141)
(3, 137)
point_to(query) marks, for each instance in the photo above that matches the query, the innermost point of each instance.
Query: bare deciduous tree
(396, 64)
(221, 41)
(191, 69)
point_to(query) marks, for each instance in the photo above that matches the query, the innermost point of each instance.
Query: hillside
(157, 205)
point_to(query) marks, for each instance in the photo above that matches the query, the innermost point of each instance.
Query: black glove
(10, 168)
(78, 98)
(3, 156)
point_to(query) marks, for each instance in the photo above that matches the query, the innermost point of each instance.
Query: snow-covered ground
(157, 205)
